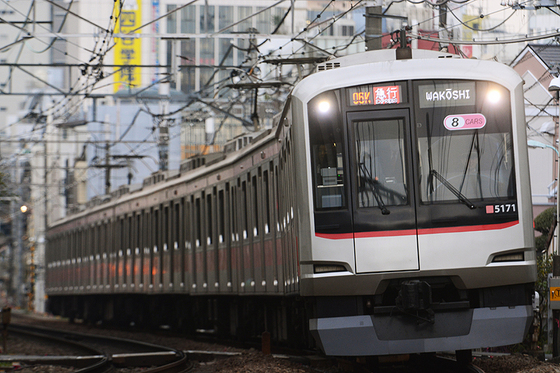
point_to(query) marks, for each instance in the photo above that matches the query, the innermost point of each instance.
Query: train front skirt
(396, 334)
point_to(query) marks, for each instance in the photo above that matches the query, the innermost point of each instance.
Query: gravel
(518, 363)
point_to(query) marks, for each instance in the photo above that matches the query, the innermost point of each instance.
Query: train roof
(381, 55)
(385, 66)
(193, 169)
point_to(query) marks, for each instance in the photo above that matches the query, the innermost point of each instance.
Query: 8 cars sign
(464, 122)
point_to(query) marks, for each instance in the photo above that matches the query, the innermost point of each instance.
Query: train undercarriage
(239, 318)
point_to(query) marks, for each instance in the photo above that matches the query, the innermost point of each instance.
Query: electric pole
(373, 25)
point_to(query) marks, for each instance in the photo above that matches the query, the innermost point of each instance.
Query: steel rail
(162, 359)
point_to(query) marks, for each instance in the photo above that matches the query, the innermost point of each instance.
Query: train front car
(419, 204)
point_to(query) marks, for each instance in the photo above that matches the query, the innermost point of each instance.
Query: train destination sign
(446, 94)
(464, 122)
(372, 95)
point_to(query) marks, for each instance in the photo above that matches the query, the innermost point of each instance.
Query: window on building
(264, 21)
(207, 19)
(347, 30)
(171, 20)
(225, 15)
(242, 13)
(188, 20)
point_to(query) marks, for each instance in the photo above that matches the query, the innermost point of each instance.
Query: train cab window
(326, 133)
(465, 141)
(380, 153)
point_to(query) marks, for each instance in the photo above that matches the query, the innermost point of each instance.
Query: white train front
(419, 204)
(389, 211)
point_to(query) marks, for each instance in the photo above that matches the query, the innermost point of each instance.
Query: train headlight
(494, 96)
(325, 268)
(324, 106)
(511, 257)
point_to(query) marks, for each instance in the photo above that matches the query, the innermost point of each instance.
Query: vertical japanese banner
(155, 42)
(128, 49)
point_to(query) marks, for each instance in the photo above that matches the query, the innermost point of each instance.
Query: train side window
(156, 231)
(197, 222)
(188, 221)
(244, 203)
(266, 186)
(234, 221)
(277, 202)
(176, 225)
(73, 245)
(165, 229)
(133, 233)
(255, 207)
(227, 213)
(103, 238)
(209, 218)
(326, 136)
(221, 216)
(130, 239)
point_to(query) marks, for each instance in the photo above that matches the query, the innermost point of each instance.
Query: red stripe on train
(410, 232)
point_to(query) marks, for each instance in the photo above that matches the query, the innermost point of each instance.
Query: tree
(545, 223)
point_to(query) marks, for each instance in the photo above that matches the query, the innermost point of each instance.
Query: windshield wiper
(452, 189)
(373, 187)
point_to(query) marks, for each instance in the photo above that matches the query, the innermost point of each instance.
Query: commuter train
(387, 211)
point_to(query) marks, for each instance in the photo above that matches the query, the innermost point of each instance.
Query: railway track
(103, 354)
(119, 353)
(100, 353)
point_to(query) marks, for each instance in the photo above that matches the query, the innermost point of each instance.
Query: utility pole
(18, 235)
(41, 240)
(253, 56)
(293, 16)
(443, 32)
(163, 128)
(373, 25)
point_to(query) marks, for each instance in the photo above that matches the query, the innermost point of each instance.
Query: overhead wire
(60, 27)
(63, 105)
(479, 17)
(353, 37)
(56, 35)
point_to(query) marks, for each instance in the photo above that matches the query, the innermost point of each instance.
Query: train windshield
(448, 142)
(380, 153)
(464, 141)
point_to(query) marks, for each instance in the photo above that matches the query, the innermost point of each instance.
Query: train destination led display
(446, 94)
(371, 95)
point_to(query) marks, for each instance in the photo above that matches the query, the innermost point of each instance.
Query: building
(538, 64)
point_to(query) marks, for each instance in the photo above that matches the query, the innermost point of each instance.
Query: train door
(383, 205)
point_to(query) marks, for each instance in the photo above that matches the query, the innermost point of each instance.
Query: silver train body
(388, 211)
